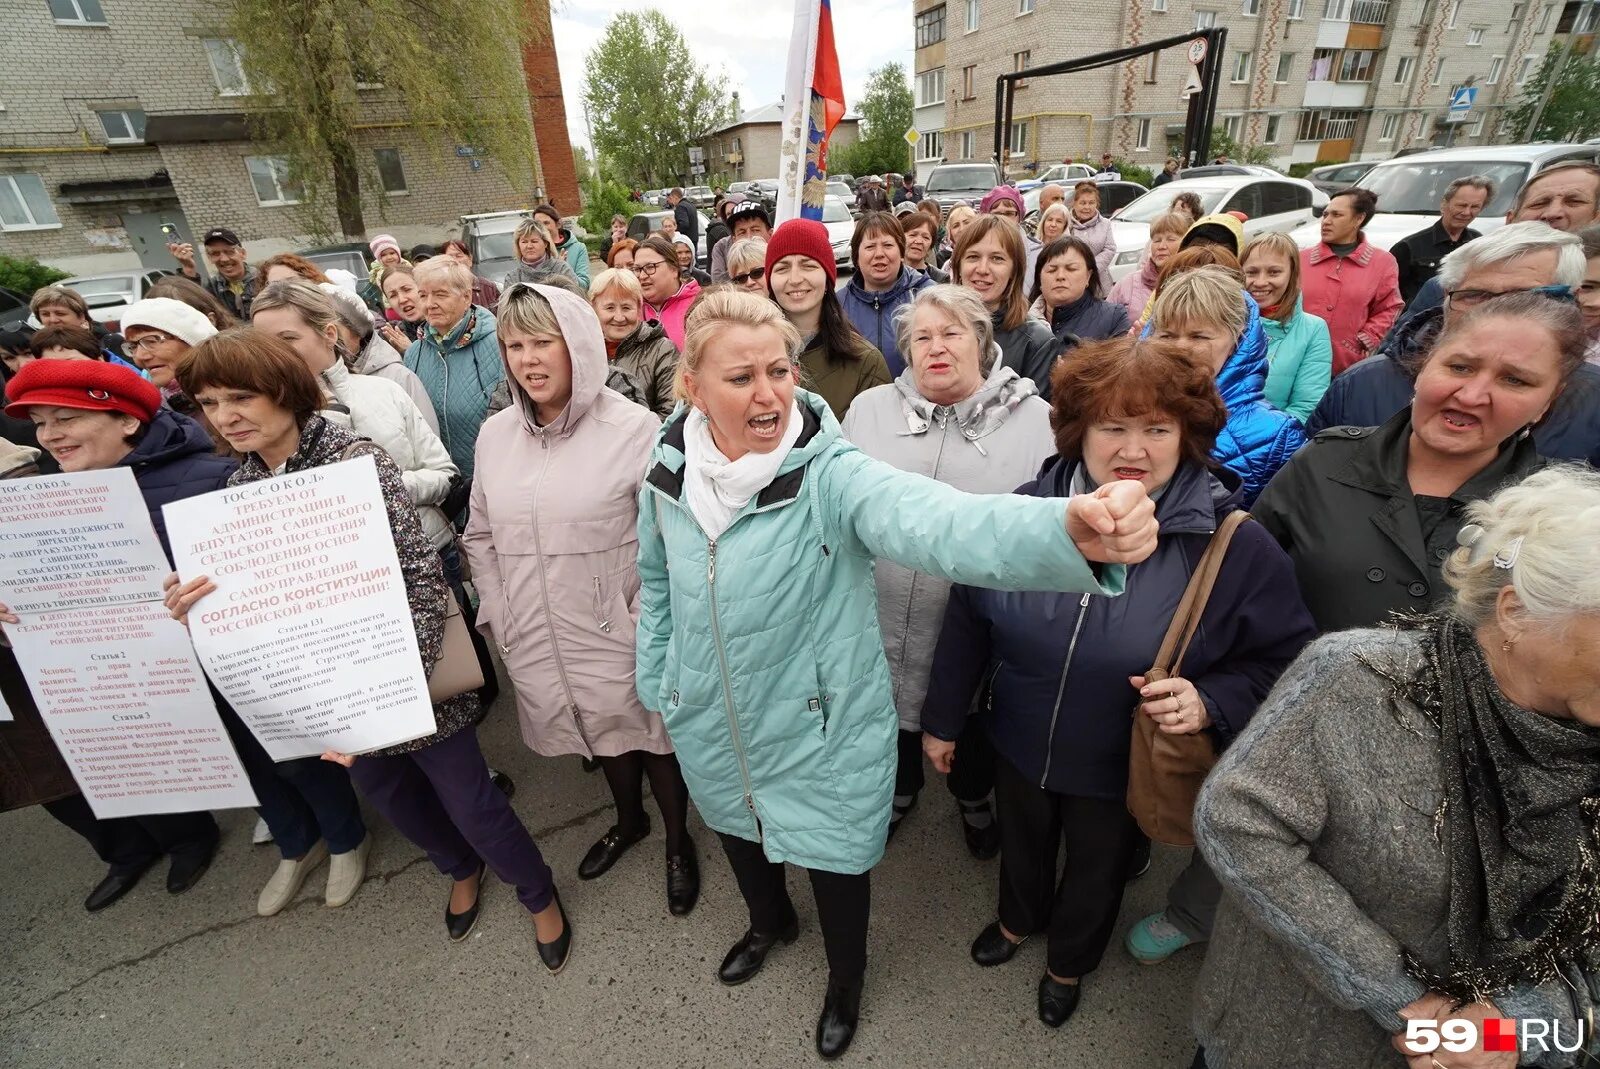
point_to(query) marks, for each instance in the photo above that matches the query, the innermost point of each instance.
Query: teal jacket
(577, 254)
(762, 651)
(460, 374)
(1299, 362)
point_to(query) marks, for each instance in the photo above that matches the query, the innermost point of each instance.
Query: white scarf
(716, 487)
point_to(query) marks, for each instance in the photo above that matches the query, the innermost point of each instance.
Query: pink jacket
(554, 553)
(676, 309)
(1098, 234)
(1358, 296)
(1135, 290)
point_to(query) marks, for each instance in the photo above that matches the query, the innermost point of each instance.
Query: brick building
(749, 148)
(1311, 80)
(121, 117)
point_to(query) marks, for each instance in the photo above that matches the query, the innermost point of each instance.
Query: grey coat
(991, 443)
(1318, 821)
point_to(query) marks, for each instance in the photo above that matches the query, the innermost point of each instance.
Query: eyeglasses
(754, 275)
(133, 345)
(1472, 298)
(646, 270)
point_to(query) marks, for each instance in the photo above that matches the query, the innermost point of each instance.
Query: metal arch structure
(1202, 105)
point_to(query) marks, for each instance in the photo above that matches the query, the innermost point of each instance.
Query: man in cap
(232, 281)
(746, 219)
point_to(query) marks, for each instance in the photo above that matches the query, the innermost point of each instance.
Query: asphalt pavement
(199, 981)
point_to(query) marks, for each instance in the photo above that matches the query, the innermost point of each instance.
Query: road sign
(1197, 55)
(911, 136)
(1197, 50)
(1461, 101)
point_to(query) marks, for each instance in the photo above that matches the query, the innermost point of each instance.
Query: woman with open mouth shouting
(758, 635)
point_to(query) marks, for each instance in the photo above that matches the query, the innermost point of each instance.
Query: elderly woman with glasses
(747, 265)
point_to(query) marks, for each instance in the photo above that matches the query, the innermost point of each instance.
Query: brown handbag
(1165, 771)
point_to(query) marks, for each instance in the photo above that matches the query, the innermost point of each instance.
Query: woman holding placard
(436, 790)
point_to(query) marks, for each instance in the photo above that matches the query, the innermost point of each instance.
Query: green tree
(25, 276)
(603, 198)
(1223, 144)
(452, 70)
(886, 112)
(1573, 111)
(648, 101)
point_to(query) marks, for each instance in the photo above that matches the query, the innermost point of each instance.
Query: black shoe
(186, 869)
(603, 854)
(982, 843)
(505, 783)
(460, 925)
(117, 883)
(1139, 864)
(750, 953)
(683, 882)
(1057, 1001)
(554, 955)
(841, 1010)
(992, 947)
(898, 815)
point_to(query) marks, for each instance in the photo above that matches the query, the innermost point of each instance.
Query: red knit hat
(94, 385)
(807, 237)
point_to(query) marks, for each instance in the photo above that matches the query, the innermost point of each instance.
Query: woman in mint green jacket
(1299, 348)
(758, 636)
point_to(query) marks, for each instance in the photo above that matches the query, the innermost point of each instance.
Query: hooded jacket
(1101, 238)
(174, 459)
(1136, 288)
(460, 370)
(1030, 349)
(1299, 362)
(576, 254)
(1061, 703)
(648, 357)
(1358, 296)
(553, 544)
(674, 310)
(990, 443)
(872, 314)
(380, 359)
(761, 650)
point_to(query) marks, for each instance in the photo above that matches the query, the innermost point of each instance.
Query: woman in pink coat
(554, 552)
(668, 292)
(1348, 282)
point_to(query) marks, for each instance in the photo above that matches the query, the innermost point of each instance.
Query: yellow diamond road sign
(912, 137)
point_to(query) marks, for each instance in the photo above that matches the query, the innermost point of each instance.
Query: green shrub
(602, 199)
(26, 276)
(1132, 172)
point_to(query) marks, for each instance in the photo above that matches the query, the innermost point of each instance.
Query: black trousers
(971, 773)
(1078, 910)
(1199, 1059)
(843, 904)
(131, 843)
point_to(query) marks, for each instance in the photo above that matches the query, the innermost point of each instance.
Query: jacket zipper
(727, 686)
(544, 586)
(1061, 689)
(911, 594)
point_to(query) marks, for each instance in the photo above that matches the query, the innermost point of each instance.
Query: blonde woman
(961, 217)
(1135, 290)
(1299, 350)
(1053, 223)
(637, 347)
(537, 258)
(747, 265)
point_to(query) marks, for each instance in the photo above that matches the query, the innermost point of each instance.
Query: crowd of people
(778, 546)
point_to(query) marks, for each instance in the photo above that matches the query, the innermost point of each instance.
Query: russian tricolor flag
(813, 104)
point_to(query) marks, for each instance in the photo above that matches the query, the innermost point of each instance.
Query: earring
(1506, 645)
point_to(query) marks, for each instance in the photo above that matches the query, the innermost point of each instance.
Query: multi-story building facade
(123, 122)
(748, 148)
(1309, 80)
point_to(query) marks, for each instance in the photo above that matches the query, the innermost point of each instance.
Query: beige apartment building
(1310, 80)
(121, 117)
(747, 149)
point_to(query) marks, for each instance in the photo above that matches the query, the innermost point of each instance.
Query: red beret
(95, 385)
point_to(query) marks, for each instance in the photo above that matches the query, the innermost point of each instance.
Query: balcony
(1370, 12)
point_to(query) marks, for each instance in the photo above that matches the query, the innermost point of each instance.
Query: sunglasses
(755, 275)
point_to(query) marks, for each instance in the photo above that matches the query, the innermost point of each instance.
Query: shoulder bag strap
(1186, 620)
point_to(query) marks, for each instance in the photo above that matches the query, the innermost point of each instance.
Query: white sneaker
(345, 873)
(286, 881)
(262, 835)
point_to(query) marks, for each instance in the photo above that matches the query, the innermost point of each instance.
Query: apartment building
(1310, 80)
(747, 148)
(121, 117)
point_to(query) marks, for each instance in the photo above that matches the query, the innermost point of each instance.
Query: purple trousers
(442, 799)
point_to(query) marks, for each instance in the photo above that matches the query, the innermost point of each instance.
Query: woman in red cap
(838, 362)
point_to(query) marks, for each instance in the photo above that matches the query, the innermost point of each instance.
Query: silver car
(109, 295)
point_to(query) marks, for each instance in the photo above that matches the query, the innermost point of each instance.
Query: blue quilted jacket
(175, 459)
(761, 650)
(460, 374)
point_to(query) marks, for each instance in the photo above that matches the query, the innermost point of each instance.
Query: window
(1297, 9)
(1158, 6)
(1524, 70)
(1241, 67)
(270, 177)
(1356, 66)
(24, 205)
(1438, 74)
(1338, 10)
(1021, 61)
(1245, 199)
(930, 87)
(1024, 7)
(969, 147)
(1205, 20)
(1019, 139)
(77, 13)
(972, 16)
(1403, 69)
(969, 78)
(391, 175)
(1475, 127)
(123, 127)
(1152, 63)
(1475, 37)
(1455, 13)
(1585, 22)
(1544, 17)
(1516, 17)
(1234, 125)
(226, 66)
(1274, 126)
(1497, 66)
(930, 26)
(1280, 197)
(1326, 125)
(1251, 8)
(1285, 66)
(1322, 64)
(932, 145)
(1142, 142)
(1391, 126)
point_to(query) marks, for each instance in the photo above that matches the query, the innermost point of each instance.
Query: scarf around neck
(1519, 822)
(467, 324)
(716, 487)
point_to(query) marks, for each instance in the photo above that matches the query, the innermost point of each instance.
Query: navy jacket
(872, 314)
(1061, 704)
(1089, 319)
(175, 459)
(1369, 394)
(688, 222)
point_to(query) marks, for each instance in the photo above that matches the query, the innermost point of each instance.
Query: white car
(841, 227)
(109, 295)
(1277, 203)
(1410, 188)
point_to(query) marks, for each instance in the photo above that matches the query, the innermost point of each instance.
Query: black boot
(683, 881)
(750, 953)
(841, 1010)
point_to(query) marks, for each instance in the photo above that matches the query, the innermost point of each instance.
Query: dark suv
(961, 183)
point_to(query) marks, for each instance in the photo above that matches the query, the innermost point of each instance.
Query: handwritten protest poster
(114, 676)
(309, 633)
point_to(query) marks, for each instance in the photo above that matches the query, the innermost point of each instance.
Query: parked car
(1338, 176)
(354, 257)
(1231, 170)
(1114, 196)
(643, 223)
(847, 179)
(764, 190)
(699, 196)
(960, 183)
(1278, 203)
(841, 227)
(739, 187)
(1061, 174)
(13, 310)
(109, 295)
(492, 240)
(1410, 188)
